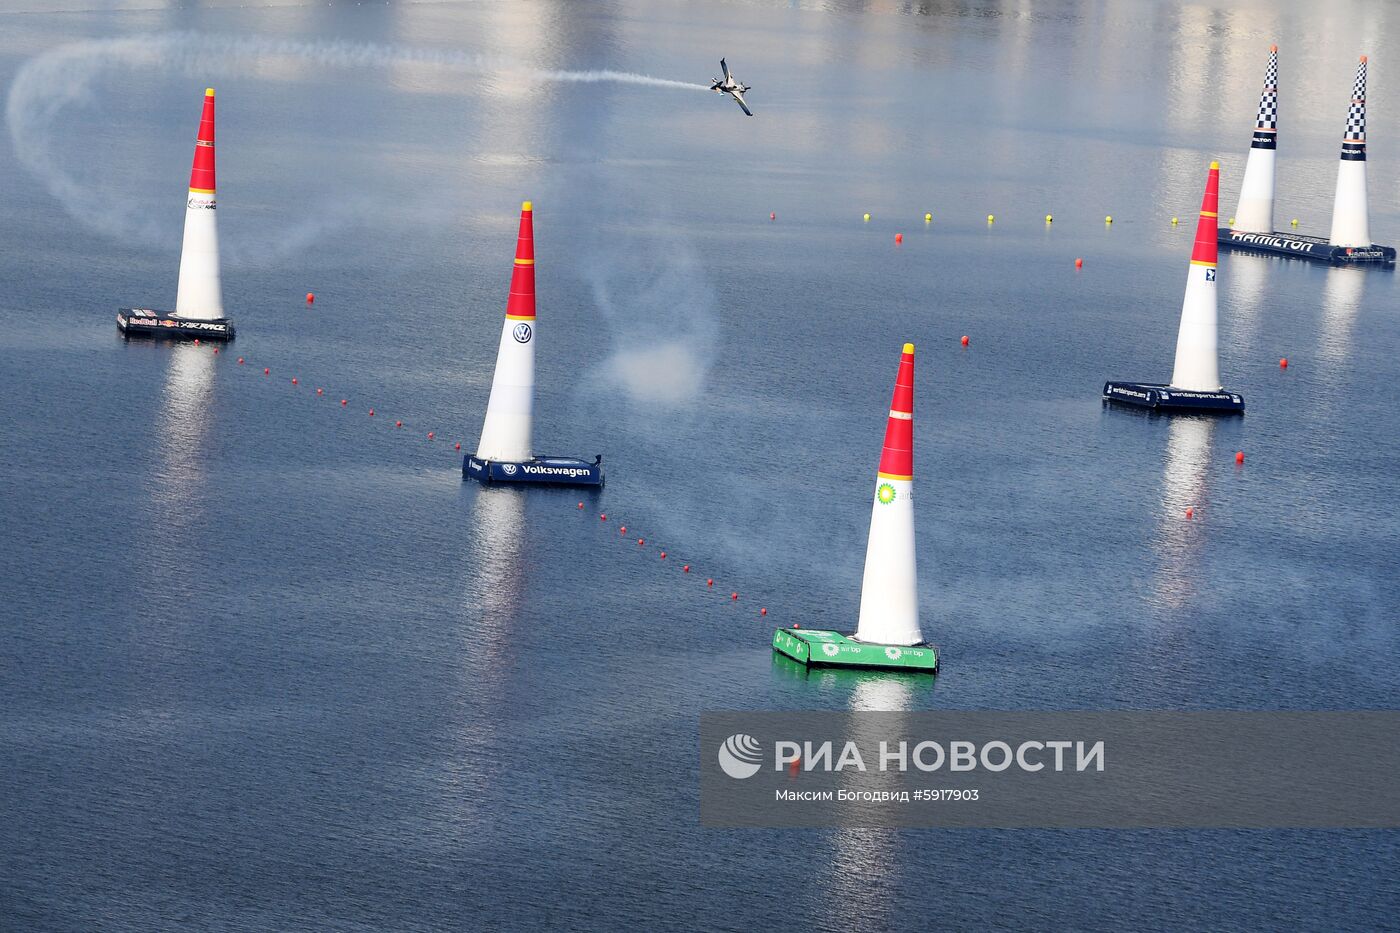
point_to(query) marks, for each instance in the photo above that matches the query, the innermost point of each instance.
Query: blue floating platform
(552, 471)
(143, 322)
(1301, 246)
(1167, 399)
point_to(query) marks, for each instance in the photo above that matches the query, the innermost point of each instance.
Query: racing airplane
(733, 87)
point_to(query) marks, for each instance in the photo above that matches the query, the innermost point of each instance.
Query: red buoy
(965, 341)
(686, 568)
(622, 530)
(457, 446)
(1239, 456)
(899, 238)
(763, 611)
(294, 380)
(603, 517)
(580, 505)
(216, 351)
(196, 341)
(431, 435)
(641, 541)
(1079, 264)
(320, 391)
(710, 582)
(240, 361)
(371, 412)
(1190, 512)
(344, 402)
(663, 555)
(1283, 363)
(772, 215)
(398, 424)
(266, 371)
(733, 595)
(310, 298)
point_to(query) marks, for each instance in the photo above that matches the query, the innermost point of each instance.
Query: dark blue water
(268, 663)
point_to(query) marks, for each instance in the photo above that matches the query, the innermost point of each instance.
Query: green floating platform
(832, 649)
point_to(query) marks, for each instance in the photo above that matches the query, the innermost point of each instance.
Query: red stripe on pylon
(522, 279)
(897, 457)
(202, 173)
(1205, 249)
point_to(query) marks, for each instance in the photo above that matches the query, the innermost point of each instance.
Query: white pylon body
(505, 434)
(1351, 217)
(1197, 366)
(1255, 213)
(200, 294)
(889, 596)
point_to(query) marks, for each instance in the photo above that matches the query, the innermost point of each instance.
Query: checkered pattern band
(1356, 113)
(1268, 100)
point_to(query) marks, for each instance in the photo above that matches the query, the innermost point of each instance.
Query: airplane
(731, 85)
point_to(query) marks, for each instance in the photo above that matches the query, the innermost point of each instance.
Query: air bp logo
(894, 654)
(521, 333)
(831, 650)
(885, 493)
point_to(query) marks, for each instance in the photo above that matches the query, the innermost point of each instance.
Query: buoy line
(664, 554)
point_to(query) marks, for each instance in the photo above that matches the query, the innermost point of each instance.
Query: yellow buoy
(1049, 218)
(929, 217)
(1295, 221)
(991, 218)
(866, 218)
(1108, 219)
(1174, 221)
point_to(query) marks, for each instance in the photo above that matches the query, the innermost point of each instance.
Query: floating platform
(555, 471)
(1168, 399)
(143, 322)
(824, 648)
(1301, 246)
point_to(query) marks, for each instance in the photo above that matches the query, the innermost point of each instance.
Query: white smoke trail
(662, 315)
(70, 75)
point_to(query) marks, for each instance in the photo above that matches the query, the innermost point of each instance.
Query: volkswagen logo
(521, 333)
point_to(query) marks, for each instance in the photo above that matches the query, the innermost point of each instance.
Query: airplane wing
(725, 68)
(739, 99)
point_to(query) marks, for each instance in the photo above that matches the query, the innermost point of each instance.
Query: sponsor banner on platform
(1309, 247)
(535, 471)
(155, 322)
(1274, 241)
